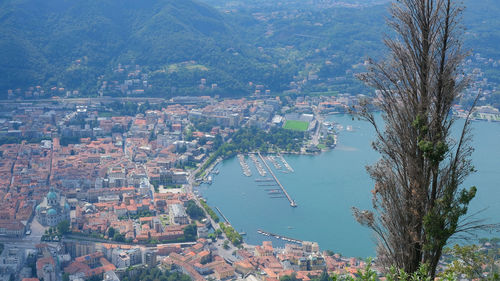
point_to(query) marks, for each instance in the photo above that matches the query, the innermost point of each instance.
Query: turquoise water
(325, 188)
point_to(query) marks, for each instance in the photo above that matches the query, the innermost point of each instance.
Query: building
(46, 269)
(12, 228)
(11, 260)
(178, 214)
(53, 209)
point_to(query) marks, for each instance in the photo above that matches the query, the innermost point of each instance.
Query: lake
(326, 186)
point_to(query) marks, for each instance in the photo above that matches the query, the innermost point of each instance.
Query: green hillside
(303, 47)
(41, 40)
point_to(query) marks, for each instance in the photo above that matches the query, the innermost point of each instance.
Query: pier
(222, 215)
(288, 239)
(264, 180)
(292, 202)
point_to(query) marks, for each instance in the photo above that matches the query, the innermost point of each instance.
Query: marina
(287, 166)
(284, 238)
(272, 159)
(244, 166)
(258, 165)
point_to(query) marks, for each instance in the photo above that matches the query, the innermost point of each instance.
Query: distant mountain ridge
(40, 40)
(242, 46)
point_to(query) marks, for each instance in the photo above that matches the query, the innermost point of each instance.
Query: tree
(111, 232)
(418, 199)
(472, 263)
(194, 211)
(118, 237)
(190, 232)
(292, 277)
(63, 227)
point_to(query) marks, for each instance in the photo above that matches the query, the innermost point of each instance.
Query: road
(87, 100)
(319, 118)
(29, 241)
(227, 254)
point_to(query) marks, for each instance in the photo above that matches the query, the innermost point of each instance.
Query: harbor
(284, 238)
(258, 165)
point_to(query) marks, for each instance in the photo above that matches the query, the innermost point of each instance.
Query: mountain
(311, 46)
(71, 43)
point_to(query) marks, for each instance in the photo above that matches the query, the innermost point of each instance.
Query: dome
(52, 195)
(66, 206)
(52, 212)
(38, 208)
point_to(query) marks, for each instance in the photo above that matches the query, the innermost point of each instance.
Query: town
(103, 189)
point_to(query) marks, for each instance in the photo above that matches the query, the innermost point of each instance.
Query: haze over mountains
(277, 44)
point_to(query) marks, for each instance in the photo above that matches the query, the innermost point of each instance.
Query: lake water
(327, 185)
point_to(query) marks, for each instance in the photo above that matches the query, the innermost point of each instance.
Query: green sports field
(296, 125)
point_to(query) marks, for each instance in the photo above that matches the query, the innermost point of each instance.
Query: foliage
(118, 237)
(292, 277)
(66, 140)
(368, 274)
(204, 125)
(231, 234)
(190, 232)
(418, 198)
(63, 227)
(472, 262)
(129, 108)
(194, 211)
(330, 140)
(139, 214)
(249, 139)
(209, 210)
(90, 38)
(111, 232)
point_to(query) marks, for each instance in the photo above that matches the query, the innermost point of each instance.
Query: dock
(264, 180)
(287, 166)
(222, 215)
(292, 202)
(288, 239)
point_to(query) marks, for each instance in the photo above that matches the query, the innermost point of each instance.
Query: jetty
(222, 215)
(264, 180)
(288, 239)
(292, 202)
